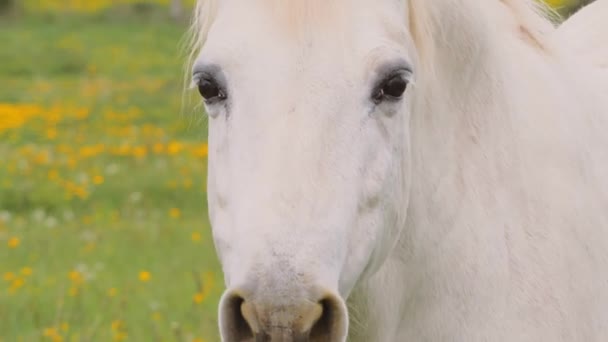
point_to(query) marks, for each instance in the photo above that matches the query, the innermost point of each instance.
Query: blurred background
(103, 227)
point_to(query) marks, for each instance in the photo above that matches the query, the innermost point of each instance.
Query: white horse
(406, 170)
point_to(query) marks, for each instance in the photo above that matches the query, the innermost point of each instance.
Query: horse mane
(532, 19)
(205, 12)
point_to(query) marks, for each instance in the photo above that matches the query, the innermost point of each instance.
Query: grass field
(103, 227)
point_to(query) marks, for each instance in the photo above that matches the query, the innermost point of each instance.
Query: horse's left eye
(210, 90)
(395, 87)
(392, 88)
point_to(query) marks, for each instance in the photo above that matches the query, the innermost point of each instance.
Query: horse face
(308, 147)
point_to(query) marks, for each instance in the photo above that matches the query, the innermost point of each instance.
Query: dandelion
(13, 242)
(156, 316)
(82, 113)
(76, 277)
(53, 175)
(198, 298)
(117, 325)
(120, 336)
(26, 271)
(8, 276)
(16, 284)
(42, 158)
(48, 332)
(174, 148)
(112, 292)
(52, 334)
(144, 276)
(97, 180)
(201, 151)
(51, 133)
(196, 236)
(118, 330)
(140, 152)
(158, 148)
(175, 213)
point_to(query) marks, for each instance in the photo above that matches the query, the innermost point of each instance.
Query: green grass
(102, 181)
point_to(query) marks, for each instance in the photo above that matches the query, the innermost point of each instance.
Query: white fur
(585, 34)
(476, 209)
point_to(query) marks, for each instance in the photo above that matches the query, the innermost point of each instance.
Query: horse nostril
(332, 322)
(293, 319)
(237, 319)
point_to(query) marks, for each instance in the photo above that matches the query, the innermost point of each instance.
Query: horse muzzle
(252, 317)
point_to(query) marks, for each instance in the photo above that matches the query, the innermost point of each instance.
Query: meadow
(103, 227)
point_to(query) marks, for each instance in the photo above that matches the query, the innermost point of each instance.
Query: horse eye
(390, 89)
(210, 90)
(395, 87)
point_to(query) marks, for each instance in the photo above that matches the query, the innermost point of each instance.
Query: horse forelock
(532, 19)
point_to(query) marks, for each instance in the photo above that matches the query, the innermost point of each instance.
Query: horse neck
(461, 117)
(460, 128)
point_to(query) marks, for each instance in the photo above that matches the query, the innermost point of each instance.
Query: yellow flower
(120, 336)
(119, 330)
(117, 325)
(42, 158)
(201, 151)
(156, 316)
(144, 276)
(26, 271)
(198, 298)
(82, 113)
(8, 276)
(76, 277)
(140, 151)
(175, 213)
(51, 133)
(97, 180)
(16, 284)
(53, 175)
(112, 292)
(174, 148)
(65, 327)
(13, 242)
(158, 148)
(52, 334)
(196, 237)
(48, 332)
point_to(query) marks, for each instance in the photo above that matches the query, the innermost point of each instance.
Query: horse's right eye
(210, 90)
